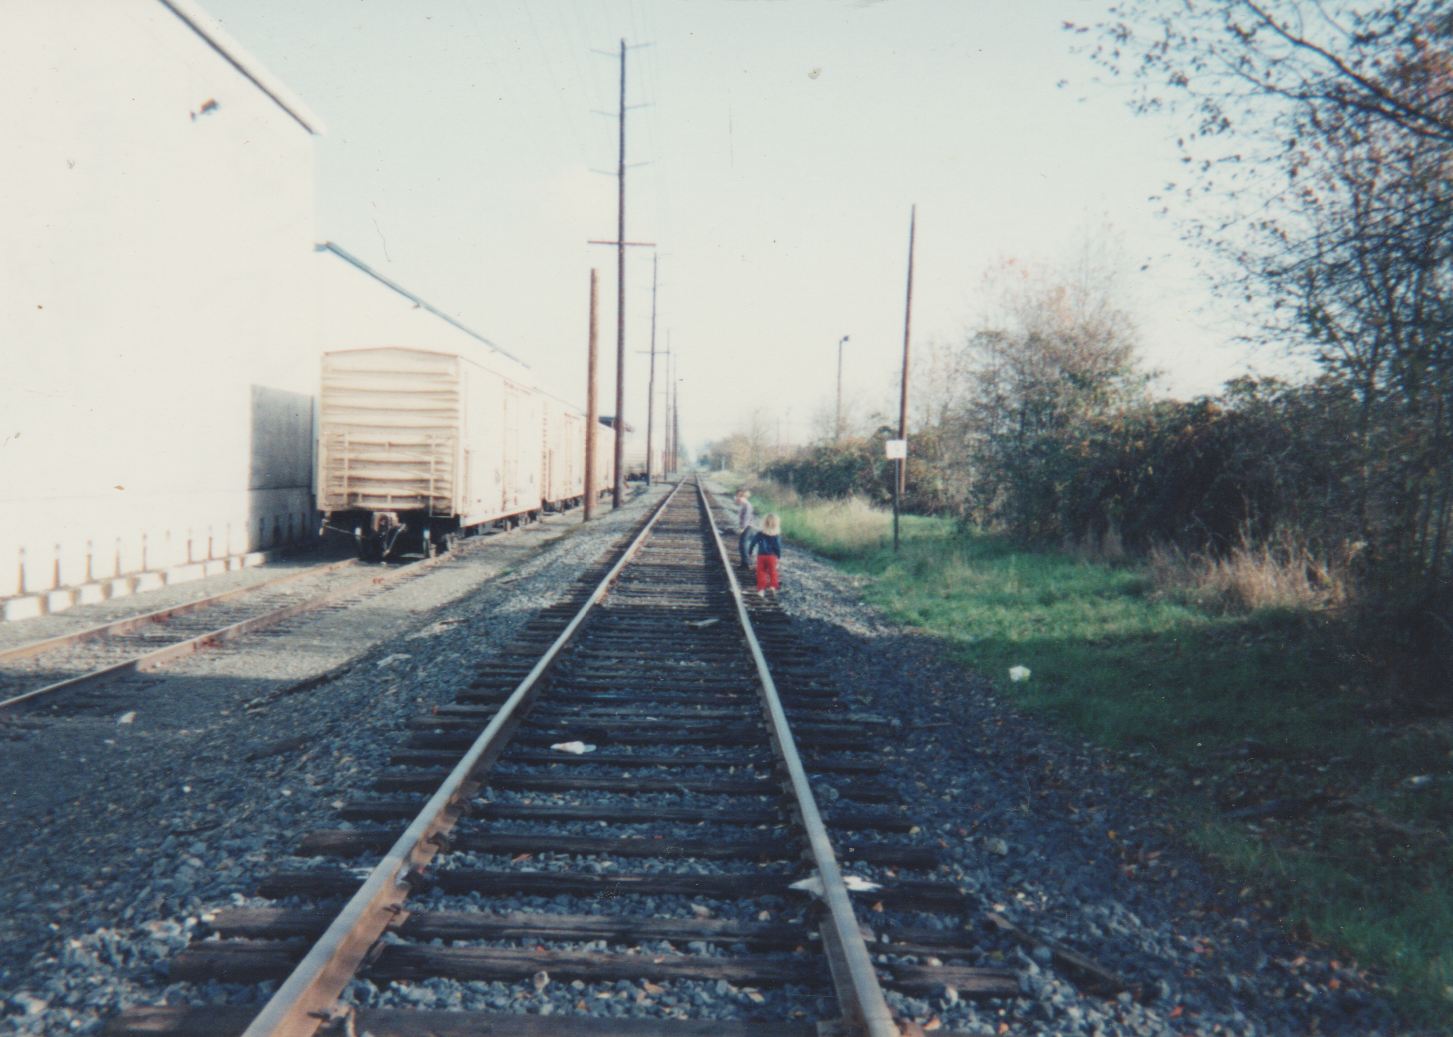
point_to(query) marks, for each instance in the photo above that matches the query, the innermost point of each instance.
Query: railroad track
(616, 830)
(69, 670)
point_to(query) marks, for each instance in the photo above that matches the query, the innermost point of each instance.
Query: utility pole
(838, 428)
(676, 423)
(618, 489)
(651, 383)
(898, 483)
(592, 411)
(666, 466)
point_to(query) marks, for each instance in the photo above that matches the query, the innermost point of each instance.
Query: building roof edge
(328, 246)
(207, 27)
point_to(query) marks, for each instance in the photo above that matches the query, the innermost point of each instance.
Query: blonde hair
(771, 524)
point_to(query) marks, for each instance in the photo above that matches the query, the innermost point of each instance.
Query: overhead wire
(503, 85)
(659, 143)
(565, 107)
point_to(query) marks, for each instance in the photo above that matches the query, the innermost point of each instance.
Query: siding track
(657, 865)
(73, 670)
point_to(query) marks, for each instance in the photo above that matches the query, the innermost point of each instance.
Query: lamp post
(838, 428)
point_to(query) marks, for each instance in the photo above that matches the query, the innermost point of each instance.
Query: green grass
(1178, 692)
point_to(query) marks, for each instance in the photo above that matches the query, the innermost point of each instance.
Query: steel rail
(151, 660)
(860, 996)
(307, 997)
(125, 626)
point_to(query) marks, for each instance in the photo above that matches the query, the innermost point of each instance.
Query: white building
(158, 323)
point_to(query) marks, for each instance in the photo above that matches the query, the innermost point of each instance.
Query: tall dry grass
(1283, 573)
(837, 528)
(842, 527)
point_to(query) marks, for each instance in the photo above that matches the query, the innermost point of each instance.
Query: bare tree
(1228, 58)
(1320, 152)
(1060, 347)
(752, 447)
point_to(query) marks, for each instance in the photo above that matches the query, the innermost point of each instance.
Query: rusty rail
(122, 626)
(309, 994)
(865, 1012)
(160, 656)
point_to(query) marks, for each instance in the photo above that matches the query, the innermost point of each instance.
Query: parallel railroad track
(67, 668)
(626, 881)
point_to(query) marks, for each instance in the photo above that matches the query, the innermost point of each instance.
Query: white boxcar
(635, 461)
(416, 446)
(563, 455)
(605, 454)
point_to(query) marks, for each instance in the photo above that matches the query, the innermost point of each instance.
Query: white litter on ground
(573, 747)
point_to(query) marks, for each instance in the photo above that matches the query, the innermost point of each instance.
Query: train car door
(547, 455)
(510, 485)
(532, 460)
(484, 451)
(573, 445)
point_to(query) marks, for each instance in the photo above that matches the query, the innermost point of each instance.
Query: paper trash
(573, 747)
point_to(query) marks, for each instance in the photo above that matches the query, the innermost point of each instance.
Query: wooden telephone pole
(898, 482)
(592, 411)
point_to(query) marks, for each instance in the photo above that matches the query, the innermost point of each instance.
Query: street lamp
(838, 428)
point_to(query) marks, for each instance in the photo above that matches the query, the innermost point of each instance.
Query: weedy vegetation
(1228, 687)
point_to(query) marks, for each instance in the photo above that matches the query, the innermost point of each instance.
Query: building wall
(157, 310)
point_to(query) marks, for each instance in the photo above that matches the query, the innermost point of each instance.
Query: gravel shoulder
(19, 632)
(1051, 834)
(121, 837)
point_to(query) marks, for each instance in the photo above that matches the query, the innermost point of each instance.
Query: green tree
(1059, 350)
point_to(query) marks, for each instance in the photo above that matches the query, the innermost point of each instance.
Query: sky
(776, 149)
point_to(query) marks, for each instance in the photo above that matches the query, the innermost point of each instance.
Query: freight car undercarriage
(386, 535)
(378, 535)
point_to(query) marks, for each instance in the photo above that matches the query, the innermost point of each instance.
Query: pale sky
(783, 143)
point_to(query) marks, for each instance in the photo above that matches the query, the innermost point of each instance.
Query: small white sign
(896, 449)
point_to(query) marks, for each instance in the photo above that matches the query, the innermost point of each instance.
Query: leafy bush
(859, 468)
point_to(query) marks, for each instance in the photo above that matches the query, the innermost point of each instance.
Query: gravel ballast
(122, 838)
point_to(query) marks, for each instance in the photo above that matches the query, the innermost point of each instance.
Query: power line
(559, 93)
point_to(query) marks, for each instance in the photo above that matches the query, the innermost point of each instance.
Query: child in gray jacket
(746, 518)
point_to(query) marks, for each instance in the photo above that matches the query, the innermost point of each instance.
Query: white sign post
(895, 449)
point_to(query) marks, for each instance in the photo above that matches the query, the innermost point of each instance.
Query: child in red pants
(768, 545)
